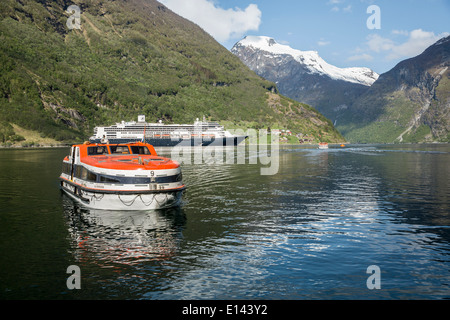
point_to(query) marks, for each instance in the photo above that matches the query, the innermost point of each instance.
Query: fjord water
(308, 232)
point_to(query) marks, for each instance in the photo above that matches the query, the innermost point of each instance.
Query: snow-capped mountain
(304, 76)
(310, 59)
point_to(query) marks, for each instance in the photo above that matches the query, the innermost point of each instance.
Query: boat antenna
(145, 127)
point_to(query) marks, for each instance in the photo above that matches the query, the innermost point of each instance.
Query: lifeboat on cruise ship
(127, 176)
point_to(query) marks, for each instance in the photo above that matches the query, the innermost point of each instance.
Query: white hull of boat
(130, 201)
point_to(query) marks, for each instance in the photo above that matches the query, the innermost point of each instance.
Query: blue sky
(337, 29)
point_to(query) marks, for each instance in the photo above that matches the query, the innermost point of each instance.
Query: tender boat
(323, 145)
(128, 176)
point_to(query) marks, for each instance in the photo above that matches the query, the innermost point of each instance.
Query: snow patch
(311, 60)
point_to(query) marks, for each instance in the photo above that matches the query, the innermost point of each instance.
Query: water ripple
(308, 232)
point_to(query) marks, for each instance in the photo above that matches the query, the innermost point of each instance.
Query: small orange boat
(127, 176)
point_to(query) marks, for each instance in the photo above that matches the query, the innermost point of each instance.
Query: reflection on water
(308, 232)
(122, 237)
(312, 230)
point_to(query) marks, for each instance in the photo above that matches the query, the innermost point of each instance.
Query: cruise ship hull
(224, 141)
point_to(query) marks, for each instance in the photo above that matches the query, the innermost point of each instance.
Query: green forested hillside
(409, 103)
(129, 57)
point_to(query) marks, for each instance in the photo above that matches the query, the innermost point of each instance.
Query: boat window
(107, 179)
(91, 176)
(77, 171)
(119, 149)
(169, 179)
(84, 173)
(93, 151)
(140, 150)
(66, 168)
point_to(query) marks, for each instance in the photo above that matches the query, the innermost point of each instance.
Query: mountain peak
(442, 41)
(310, 59)
(270, 45)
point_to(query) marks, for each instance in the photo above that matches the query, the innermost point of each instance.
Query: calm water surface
(308, 232)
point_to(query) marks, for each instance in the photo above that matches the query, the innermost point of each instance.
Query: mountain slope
(409, 103)
(129, 57)
(310, 60)
(304, 75)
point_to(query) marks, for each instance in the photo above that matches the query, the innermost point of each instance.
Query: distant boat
(201, 133)
(323, 145)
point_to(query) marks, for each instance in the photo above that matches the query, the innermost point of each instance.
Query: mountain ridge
(409, 103)
(129, 57)
(305, 82)
(311, 59)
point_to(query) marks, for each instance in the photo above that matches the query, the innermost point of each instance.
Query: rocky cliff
(303, 75)
(409, 103)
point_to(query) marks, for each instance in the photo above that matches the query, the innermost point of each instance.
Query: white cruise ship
(201, 133)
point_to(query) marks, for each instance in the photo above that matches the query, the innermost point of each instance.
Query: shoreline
(68, 145)
(36, 146)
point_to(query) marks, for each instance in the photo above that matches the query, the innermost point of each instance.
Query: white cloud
(358, 57)
(377, 43)
(222, 24)
(418, 40)
(323, 43)
(400, 32)
(348, 8)
(336, 6)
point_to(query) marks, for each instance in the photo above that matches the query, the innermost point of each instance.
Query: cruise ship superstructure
(201, 133)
